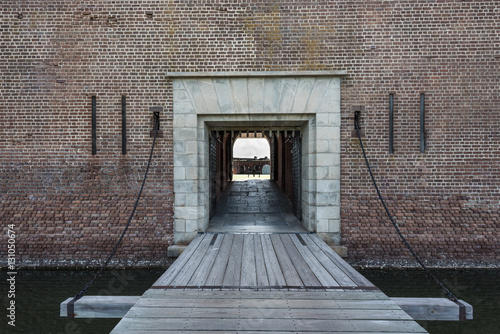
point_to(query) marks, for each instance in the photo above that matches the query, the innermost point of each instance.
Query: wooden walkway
(263, 283)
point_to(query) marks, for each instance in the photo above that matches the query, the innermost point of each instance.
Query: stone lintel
(262, 74)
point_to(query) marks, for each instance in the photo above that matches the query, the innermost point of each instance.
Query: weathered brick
(54, 57)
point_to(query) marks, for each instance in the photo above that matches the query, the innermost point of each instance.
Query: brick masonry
(69, 205)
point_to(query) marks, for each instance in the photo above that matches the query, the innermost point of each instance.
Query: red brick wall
(69, 205)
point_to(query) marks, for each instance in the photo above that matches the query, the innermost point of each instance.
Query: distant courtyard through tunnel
(255, 181)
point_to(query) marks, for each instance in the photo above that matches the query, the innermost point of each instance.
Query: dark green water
(39, 293)
(480, 288)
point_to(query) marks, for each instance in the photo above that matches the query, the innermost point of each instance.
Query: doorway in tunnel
(255, 180)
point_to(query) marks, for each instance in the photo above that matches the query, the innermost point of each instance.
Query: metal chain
(446, 291)
(105, 264)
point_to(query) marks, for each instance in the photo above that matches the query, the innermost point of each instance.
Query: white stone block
(256, 95)
(334, 146)
(191, 147)
(186, 187)
(272, 91)
(334, 225)
(335, 119)
(179, 147)
(192, 172)
(184, 107)
(183, 160)
(316, 95)
(325, 186)
(179, 121)
(185, 134)
(328, 133)
(179, 199)
(322, 173)
(179, 225)
(186, 212)
(322, 119)
(192, 225)
(203, 187)
(328, 212)
(329, 107)
(334, 172)
(309, 198)
(323, 199)
(240, 95)
(195, 93)
(190, 120)
(333, 90)
(192, 200)
(179, 173)
(322, 226)
(323, 146)
(327, 159)
(311, 185)
(178, 85)
(224, 95)
(301, 97)
(209, 96)
(181, 95)
(288, 90)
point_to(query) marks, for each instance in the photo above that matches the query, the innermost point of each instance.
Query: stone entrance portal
(273, 100)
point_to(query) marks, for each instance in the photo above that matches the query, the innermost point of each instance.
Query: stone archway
(310, 100)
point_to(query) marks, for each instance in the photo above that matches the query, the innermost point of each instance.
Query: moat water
(39, 293)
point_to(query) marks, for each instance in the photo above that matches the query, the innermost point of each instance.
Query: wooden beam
(441, 309)
(100, 306)
(438, 309)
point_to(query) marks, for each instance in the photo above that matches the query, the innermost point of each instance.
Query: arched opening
(250, 155)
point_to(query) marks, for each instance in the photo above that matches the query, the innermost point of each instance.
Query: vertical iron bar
(94, 125)
(422, 123)
(124, 125)
(391, 123)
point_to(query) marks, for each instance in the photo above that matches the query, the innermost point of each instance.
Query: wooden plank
(269, 313)
(317, 268)
(260, 265)
(200, 276)
(216, 275)
(181, 261)
(271, 303)
(441, 309)
(344, 266)
(303, 269)
(100, 306)
(275, 274)
(270, 325)
(188, 271)
(233, 270)
(337, 274)
(244, 294)
(248, 262)
(291, 275)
